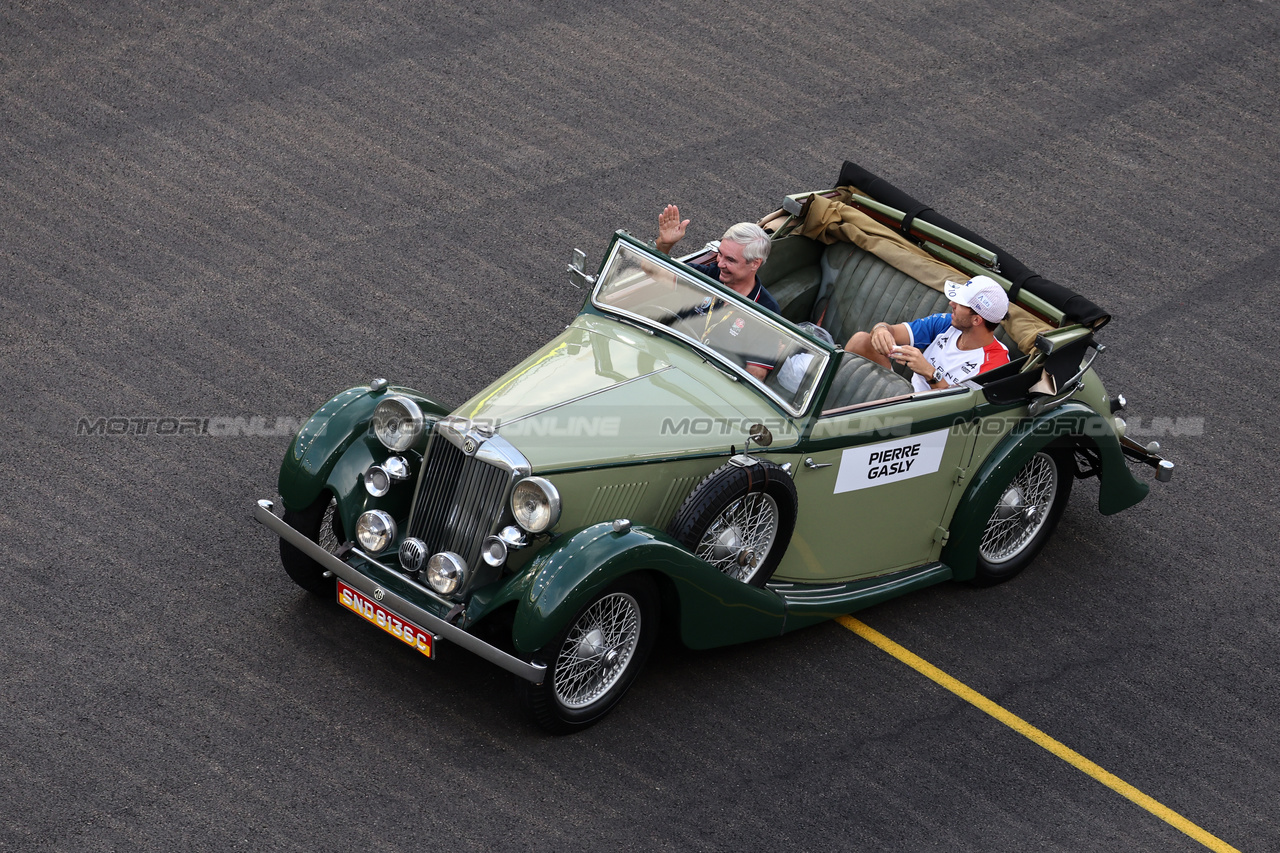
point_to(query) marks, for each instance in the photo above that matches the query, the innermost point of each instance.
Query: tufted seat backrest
(864, 290)
(858, 380)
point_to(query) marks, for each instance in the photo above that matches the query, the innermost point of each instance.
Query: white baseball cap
(981, 293)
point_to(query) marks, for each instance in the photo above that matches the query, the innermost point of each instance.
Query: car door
(875, 485)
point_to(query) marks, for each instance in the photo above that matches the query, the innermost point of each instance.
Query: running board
(809, 603)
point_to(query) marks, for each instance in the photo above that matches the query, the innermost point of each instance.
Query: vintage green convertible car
(633, 475)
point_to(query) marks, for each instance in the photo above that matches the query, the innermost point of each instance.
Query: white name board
(890, 461)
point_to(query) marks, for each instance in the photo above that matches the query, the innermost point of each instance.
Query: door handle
(809, 463)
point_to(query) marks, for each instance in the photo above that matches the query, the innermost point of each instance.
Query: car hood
(606, 392)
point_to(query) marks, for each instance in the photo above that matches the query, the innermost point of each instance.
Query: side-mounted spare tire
(739, 519)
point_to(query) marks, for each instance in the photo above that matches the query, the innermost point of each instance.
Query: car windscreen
(784, 363)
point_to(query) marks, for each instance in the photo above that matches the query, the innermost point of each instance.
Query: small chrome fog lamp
(446, 571)
(513, 537)
(494, 552)
(375, 530)
(397, 468)
(377, 481)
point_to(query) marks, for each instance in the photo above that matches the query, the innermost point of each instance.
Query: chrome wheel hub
(730, 549)
(1011, 503)
(591, 646)
(1021, 511)
(738, 540)
(597, 650)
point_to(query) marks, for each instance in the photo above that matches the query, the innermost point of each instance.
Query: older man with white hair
(943, 350)
(743, 248)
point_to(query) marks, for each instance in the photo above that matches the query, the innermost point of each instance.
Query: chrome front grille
(461, 499)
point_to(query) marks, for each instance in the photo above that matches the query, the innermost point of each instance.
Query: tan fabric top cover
(832, 221)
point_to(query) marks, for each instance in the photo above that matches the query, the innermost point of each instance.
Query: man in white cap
(943, 350)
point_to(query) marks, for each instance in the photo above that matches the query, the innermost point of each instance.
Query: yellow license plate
(400, 628)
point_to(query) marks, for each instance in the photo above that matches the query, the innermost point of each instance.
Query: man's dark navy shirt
(758, 293)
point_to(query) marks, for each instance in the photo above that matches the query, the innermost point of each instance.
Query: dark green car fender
(324, 439)
(346, 480)
(713, 609)
(1072, 422)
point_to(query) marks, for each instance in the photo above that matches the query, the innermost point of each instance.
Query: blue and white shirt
(939, 340)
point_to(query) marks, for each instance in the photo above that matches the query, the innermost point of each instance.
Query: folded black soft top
(1075, 308)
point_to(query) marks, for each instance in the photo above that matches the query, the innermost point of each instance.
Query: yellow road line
(1029, 731)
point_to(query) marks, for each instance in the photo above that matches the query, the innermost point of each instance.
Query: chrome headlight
(446, 571)
(536, 504)
(397, 422)
(375, 530)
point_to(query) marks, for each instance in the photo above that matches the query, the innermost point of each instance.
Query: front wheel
(1024, 517)
(593, 662)
(319, 523)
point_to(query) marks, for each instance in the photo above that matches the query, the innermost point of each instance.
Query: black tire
(739, 519)
(1024, 517)
(595, 659)
(319, 523)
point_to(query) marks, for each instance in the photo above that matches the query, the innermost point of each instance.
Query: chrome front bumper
(532, 672)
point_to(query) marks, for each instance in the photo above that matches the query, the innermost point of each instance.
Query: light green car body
(625, 418)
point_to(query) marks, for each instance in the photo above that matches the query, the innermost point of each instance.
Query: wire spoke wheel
(594, 660)
(1024, 515)
(597, 650)
(328, 537)
(1021, 510)
(738, 540)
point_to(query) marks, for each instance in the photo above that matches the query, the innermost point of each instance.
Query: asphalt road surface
(234, 210)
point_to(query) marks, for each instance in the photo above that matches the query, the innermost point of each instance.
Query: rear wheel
(593, 662)
(319, 523)
(1024, 517)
